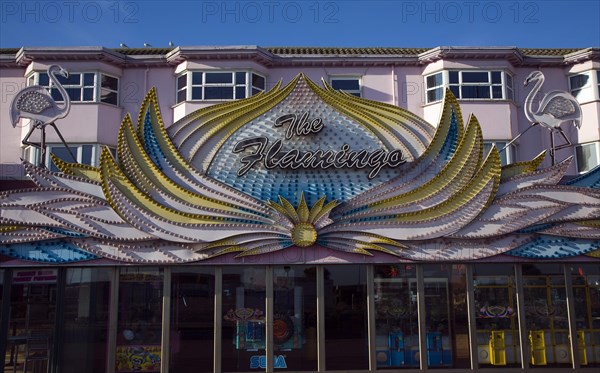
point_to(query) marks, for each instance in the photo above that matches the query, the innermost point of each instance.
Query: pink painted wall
(399, 85)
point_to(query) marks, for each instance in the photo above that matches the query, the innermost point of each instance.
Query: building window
(470, 85)
(506, 155)
(396, 316)
(192, 316)
(85, 154)
(346, 318)
(82, 87)
(218, 85)
(243, 324)
(347, 84)
(109, 89)
(478, 84)
(88, 154)
(139, 337)
(435, 87)
(496, 315)
(588, 156)
(585, 86)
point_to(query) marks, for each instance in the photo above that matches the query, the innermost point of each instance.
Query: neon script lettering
(273, 156)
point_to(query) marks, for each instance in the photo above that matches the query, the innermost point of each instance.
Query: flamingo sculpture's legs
(553, 147)
(42, 143)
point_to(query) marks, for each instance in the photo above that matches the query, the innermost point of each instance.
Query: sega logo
(257, 361)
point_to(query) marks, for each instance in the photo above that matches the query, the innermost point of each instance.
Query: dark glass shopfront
(301, 318)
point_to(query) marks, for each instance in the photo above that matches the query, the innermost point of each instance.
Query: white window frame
(31, 154)
(435, 87)
(182, 89)
(248, 86)
(507, 91)
(594, 144)
(354, 92)
(96, 87)
(506, 159)
(588, 92)
(99, 88)
(489, 84)
(253, 89)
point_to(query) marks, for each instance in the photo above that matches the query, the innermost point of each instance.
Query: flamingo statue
(36, 103)
(555, 108)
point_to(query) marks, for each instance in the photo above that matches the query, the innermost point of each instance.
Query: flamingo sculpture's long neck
(64, 110)
(529, 113)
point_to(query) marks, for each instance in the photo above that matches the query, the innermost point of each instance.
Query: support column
(269, 308)
(523, 336)
(472, 318)
(59, 321)
(113, 318)
(371, 318)
(4, 321)
(422, 317)
(218, 321)
(166, 321)
(320, 318)
(571, 317)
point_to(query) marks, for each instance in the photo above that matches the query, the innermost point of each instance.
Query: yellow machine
(497, 348)
(582, 351)
(538, 347)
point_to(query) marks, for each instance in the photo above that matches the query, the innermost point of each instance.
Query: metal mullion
(472, 321)
(571, 317)
(5, 310)
(113, 319)
(421, 317)
(59, 320)
(371, 318)
(269, 308)
(166, 321)
(218, 321)
(320, 318)
(523, 340)
(97, 83)
(188, 85)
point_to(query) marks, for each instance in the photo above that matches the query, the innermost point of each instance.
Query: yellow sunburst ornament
(305, 221)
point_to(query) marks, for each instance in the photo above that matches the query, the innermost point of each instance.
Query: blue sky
(534, 24)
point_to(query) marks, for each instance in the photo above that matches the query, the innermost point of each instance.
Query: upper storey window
(82, 86)
(585, 86)
(218, 85)
(470, 85)
(348, 84)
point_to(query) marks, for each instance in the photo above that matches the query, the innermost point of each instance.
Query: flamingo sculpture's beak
(526, 82)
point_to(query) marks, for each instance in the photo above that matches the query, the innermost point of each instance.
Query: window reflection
(346, 343)
(86, 309)
(586, 291)
(546, 314)
(295, 317)
(496, 315)
(446, 321)
(192, 319)
(396, 317)
(243, 334)
(139, 320)
(32, 318)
